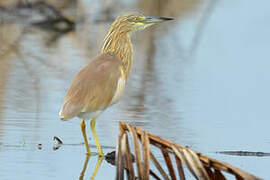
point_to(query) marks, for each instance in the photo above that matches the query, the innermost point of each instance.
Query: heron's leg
(100, 158)
(85, 137)
(93, 123)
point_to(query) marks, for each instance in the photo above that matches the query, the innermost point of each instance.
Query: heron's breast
(119, 90)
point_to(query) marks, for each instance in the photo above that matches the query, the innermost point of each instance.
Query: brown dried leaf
(168, 162)
(128, 158)
(137, 150)
(182, 157)
(209, 172)
(146, 155)
(198, 164)
(158, 166)
(195, 164)
(119, 162)
(218, 175)
(179, 167)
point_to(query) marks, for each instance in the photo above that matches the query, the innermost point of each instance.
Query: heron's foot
(100, 153)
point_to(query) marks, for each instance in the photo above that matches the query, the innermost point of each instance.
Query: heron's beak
(154, 19)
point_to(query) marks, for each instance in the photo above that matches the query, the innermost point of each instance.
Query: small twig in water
(244, 153)
(39, 146)
(58, 140)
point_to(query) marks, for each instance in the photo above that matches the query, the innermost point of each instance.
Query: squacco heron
(101, 83)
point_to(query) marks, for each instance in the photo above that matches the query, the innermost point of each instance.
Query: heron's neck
(120, 45)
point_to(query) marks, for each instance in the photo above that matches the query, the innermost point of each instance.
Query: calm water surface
(202, 81)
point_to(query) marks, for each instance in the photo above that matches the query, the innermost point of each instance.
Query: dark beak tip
(166, 18)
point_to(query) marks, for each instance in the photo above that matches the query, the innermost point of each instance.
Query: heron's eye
(139, 19)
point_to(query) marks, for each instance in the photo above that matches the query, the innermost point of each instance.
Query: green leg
(93, 123)
(85, 137)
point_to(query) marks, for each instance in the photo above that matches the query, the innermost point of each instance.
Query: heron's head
(136, 22)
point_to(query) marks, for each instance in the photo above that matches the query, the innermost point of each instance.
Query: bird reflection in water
(59, 143)
(99, 161)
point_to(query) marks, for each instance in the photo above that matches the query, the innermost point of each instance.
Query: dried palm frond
(200, 166)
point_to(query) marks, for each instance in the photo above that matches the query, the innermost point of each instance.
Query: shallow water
(202, 81)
